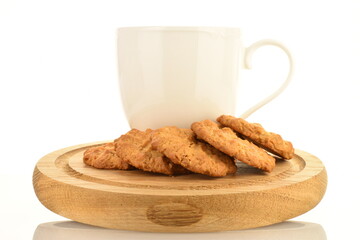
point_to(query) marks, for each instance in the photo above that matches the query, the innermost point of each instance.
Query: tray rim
(316, 166)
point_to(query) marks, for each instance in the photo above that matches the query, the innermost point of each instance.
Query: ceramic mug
(173, 76)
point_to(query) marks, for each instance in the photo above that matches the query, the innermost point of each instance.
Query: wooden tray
(136, 200)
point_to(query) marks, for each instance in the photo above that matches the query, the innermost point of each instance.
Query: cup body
(174, 76)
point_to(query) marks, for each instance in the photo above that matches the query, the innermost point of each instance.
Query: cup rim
(181, 28)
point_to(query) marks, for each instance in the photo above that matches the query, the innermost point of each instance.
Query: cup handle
(248, 54)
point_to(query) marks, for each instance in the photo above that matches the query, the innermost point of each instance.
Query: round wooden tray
(137, 200)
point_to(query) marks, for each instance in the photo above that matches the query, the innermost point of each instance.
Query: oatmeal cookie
(255, 133)
(104, 157)
(228, 142)
(134, 147)
(182, 147)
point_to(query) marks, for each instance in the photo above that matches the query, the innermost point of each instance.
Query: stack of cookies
(209, 148)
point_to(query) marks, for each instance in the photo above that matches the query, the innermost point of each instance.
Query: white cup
(174, 76)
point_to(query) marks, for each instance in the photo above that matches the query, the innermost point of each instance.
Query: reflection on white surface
(70, 230)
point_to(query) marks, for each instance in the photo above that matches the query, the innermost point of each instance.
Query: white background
(58, 87)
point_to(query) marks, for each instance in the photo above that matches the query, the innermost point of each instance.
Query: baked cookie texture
(254, 132)
(228, 142)
(134, 147)
(104, 157)
(182, 147)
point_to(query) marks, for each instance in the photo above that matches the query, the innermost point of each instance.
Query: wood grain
(136, 200)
